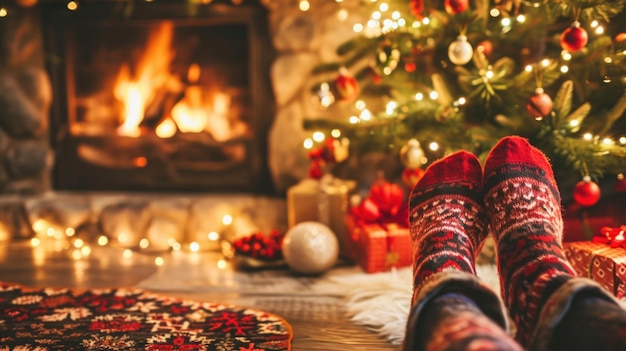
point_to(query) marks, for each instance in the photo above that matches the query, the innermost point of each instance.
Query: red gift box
(600, 262)
(379, 247)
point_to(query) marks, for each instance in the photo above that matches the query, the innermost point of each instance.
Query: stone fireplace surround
(30, 204)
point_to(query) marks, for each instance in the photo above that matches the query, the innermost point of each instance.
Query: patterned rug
(120, 319)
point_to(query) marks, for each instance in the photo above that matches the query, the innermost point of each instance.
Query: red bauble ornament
(539, 105)
(410, 176)
(586, 192)
(346, 87)
(416, 7)
(620, 37)
(486, 47)
(574, 38)
(454, 7)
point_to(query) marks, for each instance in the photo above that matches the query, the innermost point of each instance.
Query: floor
(319, 321)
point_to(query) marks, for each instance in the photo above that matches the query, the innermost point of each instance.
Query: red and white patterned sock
(447, 222)
(451, 310)
(523, 204)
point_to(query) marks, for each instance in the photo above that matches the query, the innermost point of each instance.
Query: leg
(451, 310)
(538, 284)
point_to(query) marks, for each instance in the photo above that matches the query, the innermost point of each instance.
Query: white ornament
(412, 154)
(460, 51)
(310, 248)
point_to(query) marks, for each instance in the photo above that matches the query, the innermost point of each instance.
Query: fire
(196, 110)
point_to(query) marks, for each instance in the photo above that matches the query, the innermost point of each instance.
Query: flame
(152, 72)
(201, 109)
(166, 129)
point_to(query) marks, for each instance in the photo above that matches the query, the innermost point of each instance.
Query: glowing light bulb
(144, 243)
(103, 240)
(78, 243)
(85, 250)
(391, 107)
(433, 146)
(194, 246)
(213, 236)
(304, 5)
(3, 12)
(72, 5)
(366, 115)
(319, 136)
(227, 219)
(307, 143)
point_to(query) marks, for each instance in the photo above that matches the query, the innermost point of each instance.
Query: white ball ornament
(310, 248)
(460, 51)
(412, 154)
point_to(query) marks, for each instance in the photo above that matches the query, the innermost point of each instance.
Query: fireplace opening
(163, 99)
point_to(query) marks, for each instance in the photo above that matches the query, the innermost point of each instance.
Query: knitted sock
(591, 323)
(523, 203)
(453, 322)
(446, 216)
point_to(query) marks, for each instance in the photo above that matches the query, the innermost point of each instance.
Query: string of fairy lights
(51, 236)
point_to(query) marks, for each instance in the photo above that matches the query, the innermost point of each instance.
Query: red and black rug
(121, 319)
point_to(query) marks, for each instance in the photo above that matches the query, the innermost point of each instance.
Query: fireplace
(160, 97)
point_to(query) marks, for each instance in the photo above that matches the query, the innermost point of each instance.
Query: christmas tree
(426, 78)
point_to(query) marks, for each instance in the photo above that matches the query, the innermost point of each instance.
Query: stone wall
(25, 98)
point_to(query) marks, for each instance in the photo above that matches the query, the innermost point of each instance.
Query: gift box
(378, 229)
(325, 200)
(600, 262)
(379, 247)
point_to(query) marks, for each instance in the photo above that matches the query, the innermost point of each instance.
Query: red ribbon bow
(384, 204)
(614, 236)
